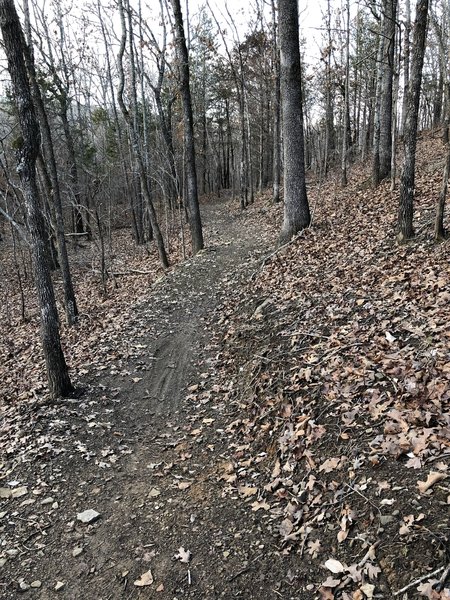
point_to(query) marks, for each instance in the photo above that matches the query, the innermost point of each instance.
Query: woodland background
(320, 405)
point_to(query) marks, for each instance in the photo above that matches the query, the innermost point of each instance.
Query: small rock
(88, 516)
(385, 519)
(13, 493)
(19, 492)
(59, 585)
(23, 586)
(28, 502)
(77, 551)
(48, 500)
(36, 584)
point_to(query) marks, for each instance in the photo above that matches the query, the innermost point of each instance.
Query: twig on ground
(367, 556)
(440, 585)
(365, 497)
(245, 569)
(419, 580)
(239, 573)
(275, 252)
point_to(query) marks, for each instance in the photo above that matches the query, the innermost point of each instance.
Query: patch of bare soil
(137, 452)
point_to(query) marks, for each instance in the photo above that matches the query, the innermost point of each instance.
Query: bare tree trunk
(345, 137)
(296, 208)
(377, 114)
(394, 137)
(329, 108)
(387, 66)
(406, 61)
(192, 205)
(70, 303)
(276, 111)
(57, 372)
(439, 231)
(407, 179)
(131, 121)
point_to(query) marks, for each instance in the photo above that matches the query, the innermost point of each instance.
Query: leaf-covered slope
(338, 356)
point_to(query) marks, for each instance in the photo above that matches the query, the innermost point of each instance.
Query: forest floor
(255, 424)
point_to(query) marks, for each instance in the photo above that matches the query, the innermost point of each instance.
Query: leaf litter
(329, 404)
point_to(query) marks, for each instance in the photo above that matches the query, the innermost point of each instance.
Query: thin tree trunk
(130, 119)
(388, 59)
(276, 111)
(439, 231)
(406, 62)
(407, 179)
(345, 137)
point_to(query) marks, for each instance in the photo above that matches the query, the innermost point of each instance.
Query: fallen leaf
(184, 485)
(426, 589)
(183, 555)
(13, 493)
(390, 338)
(368, 590)
(330, 582)
(334, 566)
(145, 579)
(433, 477)
(286, 527)
(247, 491)
(329, 465)
(260, 506)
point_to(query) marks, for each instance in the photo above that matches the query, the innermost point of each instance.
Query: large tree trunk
(192, 205)
(439, 230)
(57, 372)
(407, 179)
(296, 207)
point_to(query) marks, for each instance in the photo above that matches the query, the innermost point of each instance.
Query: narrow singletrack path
(145, 453)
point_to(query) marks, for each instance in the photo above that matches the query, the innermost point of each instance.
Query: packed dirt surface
(140, 452)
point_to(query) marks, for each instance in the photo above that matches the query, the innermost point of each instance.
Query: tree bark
(387, 65)
(346, 125)
(70, 303)
(406, 61)
(276, 111)
(439, 231)
(407, 179)
(57, 372)
(192, 205)
(296, 208)
(131, 122)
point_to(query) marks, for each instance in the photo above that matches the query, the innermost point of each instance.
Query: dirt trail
(146, 458)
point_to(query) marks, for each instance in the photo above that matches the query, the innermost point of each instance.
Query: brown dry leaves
(340, 386)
